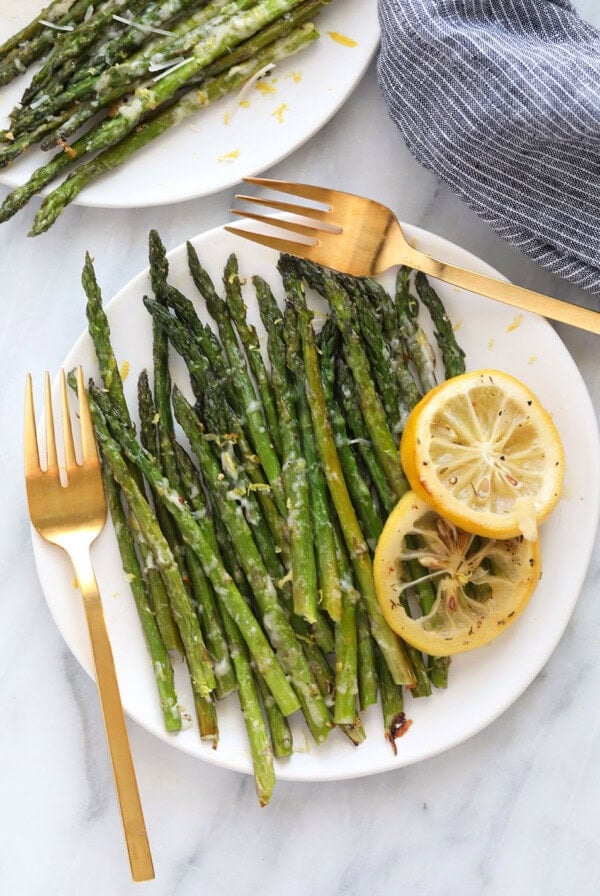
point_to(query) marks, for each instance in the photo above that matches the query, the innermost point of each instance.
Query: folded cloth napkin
(501, 99)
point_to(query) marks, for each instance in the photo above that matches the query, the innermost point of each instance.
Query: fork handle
(508, 293)
(134, 827)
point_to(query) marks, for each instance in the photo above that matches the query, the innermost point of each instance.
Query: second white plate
(216, 148)
(483, 683)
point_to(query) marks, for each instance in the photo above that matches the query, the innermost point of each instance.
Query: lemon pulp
(482, 450)
(481, 584)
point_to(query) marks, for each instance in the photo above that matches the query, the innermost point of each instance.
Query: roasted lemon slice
(481, 584)
(482, 450)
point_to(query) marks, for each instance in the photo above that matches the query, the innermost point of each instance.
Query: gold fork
(361, 237)
(72, 515)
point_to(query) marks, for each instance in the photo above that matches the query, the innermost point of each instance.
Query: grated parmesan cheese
(173, 68)
(54, 27)
(148, 29)
(245, 90)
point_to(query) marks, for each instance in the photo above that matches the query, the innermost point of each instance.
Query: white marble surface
(513, 810)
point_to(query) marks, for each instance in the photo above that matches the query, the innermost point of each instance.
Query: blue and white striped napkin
(501, 99)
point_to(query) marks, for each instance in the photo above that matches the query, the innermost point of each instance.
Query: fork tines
(307, 220)
(46, 461)
(306, 191)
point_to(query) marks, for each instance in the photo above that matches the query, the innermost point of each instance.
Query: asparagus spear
(11, 147)
(159, 269)
(206, 713)
(380, 300)
(258, 737)
(379, 356)
(215, 42)
(417, 345)
(370, 519)
(196, 536)
(304, 572)
(281, 735)
(320, 505)
(392, 648)
(156, 417)
(206, 390)
(359, 492)
(367, 671)
(282, 741)
(452, 354)
(205, 708)
(201, 673)
(72, 44)
(346, 640)
(255, 420)
(348, 400)
(162, 607)
(395, 722)
(106, 79)
(438, 667)
(190, 566)
(54, 12)
(157, 15)
(357, 360)
(240, 55)
(29, 50)
(99, 330)
(161, 664)
(274, 617)
(249, 339)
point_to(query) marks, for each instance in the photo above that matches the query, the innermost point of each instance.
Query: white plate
(482, 684)
(198, 157)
